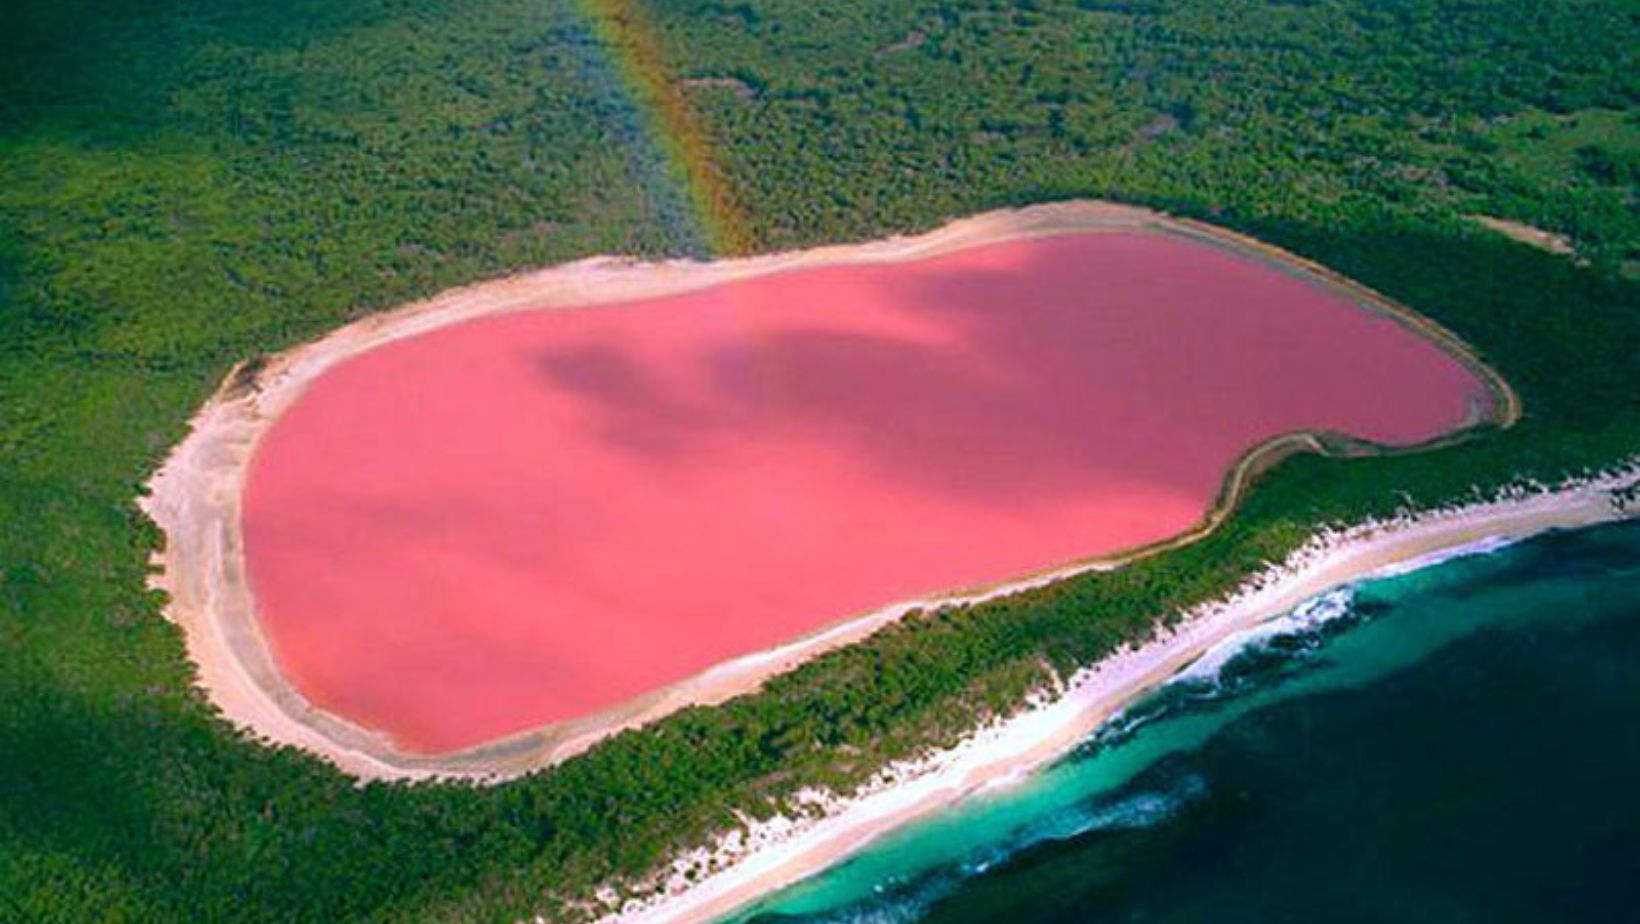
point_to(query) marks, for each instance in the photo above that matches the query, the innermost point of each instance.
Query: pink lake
(533, 517)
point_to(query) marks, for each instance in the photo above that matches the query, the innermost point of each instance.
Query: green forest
(185, 184)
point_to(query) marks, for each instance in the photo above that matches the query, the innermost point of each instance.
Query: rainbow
(633, 41)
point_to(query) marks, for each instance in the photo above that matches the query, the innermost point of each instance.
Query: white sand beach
(708, 884)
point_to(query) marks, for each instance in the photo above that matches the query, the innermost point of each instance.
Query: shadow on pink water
(528, 518)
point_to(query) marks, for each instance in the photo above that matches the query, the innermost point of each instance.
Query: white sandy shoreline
(709, 883)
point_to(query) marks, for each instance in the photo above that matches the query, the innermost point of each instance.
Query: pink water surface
(529, 518)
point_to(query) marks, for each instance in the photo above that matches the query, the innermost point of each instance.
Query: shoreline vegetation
(763, 856)
(195, 497)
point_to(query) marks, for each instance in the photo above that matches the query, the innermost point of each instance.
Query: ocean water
(1456, 744)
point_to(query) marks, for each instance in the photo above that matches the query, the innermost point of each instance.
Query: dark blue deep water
(1457, 744)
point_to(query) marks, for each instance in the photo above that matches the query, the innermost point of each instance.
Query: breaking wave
(903, 900)
(1269, 651)
(1297, 631)
(1135, 787)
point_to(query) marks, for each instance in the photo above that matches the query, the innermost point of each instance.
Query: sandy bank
(746, 865)
(1526, 234)
(196, 496)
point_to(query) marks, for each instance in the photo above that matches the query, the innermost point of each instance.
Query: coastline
(195, 496)
(706, 884)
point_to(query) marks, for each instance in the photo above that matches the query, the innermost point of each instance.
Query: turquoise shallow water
(1457, 744)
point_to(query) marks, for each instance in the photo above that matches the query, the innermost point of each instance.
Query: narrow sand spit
(710, 883)
(1526, 234)
(196, 495)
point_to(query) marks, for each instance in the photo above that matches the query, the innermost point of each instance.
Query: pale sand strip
(746, 865)
(195, 496)
(1526, 234)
